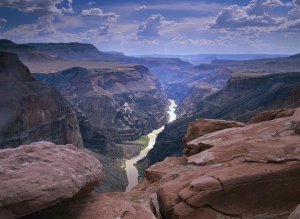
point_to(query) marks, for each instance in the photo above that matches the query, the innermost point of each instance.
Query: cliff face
(31, 111)
(194, 98)
(25, 52)
(69, 51)
(232, 170)
(194, 82)
(122, 103)
(244, 172)
(239, 100)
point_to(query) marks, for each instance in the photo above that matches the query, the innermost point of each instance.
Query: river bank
(131, 170)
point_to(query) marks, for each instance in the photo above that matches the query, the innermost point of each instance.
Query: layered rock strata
(241, 99)
(122, 103)
(251, 171)
(246, 172)
(31, 111)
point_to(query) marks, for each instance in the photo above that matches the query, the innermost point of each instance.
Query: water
(132, 173)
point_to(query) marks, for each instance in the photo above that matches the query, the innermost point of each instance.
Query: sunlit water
(132, 173)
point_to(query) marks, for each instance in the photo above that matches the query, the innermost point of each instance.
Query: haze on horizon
(158, 27)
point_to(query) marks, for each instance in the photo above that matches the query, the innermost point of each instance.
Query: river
(132, 173)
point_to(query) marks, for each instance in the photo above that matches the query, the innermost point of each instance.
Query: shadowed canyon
(187, 122)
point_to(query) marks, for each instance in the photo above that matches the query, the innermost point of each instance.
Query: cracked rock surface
(246, 172)
(36, 176)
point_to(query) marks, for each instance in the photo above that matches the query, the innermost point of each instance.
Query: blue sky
(157, 26)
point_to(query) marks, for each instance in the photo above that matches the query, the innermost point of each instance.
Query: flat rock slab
(246, 172)
(203, 127)
(42, 174)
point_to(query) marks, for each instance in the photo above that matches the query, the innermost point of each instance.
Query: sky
(158, 26)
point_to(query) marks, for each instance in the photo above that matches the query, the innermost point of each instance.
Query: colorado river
(132, 173)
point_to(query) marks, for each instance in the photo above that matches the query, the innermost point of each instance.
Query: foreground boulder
(122, 205)
(203, 127)
(42, 174)
(245, 172)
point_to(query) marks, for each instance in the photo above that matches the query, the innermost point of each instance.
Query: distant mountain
(181, 85)
(25, 52)
(208, 58)
(70, 51)
(67, 55)
(297, 56)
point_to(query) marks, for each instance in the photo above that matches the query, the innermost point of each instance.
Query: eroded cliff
(31, 111)
(122, 102)
(240, 171)
(240, 99)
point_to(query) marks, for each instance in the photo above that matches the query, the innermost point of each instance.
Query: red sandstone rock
(272, 114)
(42, 174)
(129, 205)
(203, 127)
(248, 172)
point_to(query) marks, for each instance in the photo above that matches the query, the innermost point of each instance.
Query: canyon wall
(32, 111)
(239, 100)
(122, 102)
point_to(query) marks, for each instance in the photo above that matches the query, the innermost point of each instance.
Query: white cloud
(292, 23)
(184, 40)
(294, 14)
(152, 26)
(91, 3)
(291, 26)
(3, 20)
(50, 29)
(260, 7)
(99, 13)
(142, 8)
(42, 27)
(41, 6)
(252, 15)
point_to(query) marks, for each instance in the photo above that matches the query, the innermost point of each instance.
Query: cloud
(294, 14)
(252, 15)
(42, 27)
(290, 26)
(184, 40)
(100, 31)
(91, 3)
(41, 6)
(3, 20)
(142, 8)
(292, 23)
(50, 29)
(98, 12)
(259, 7)
(152, 26)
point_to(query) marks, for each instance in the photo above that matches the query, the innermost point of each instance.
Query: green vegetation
(145, 139)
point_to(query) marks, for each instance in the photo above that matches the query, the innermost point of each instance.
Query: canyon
(240, 171)
(80, 126)
(128, 96)
(244, 95)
